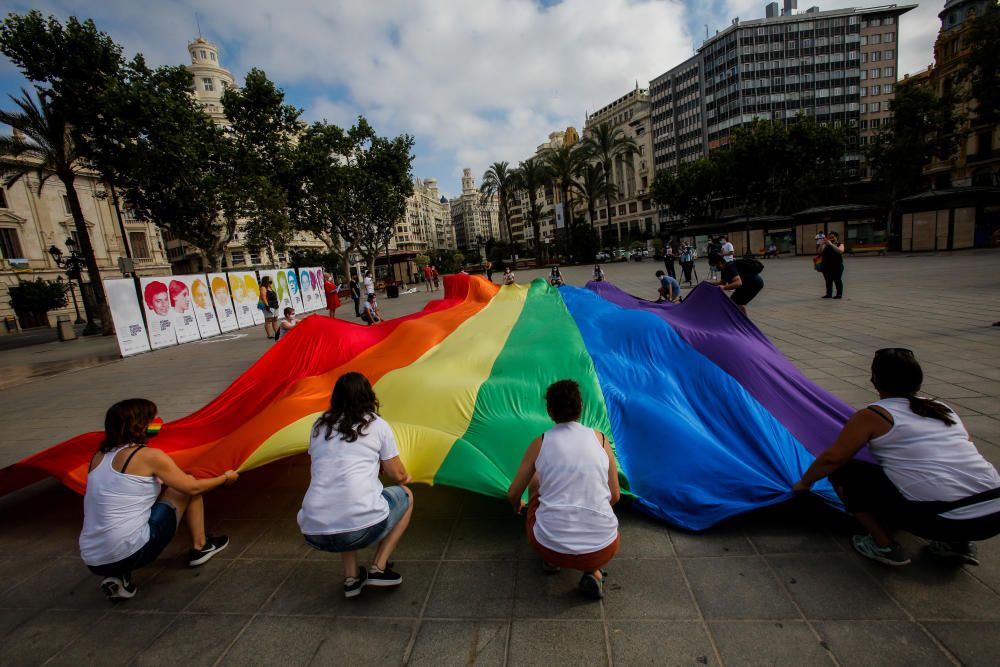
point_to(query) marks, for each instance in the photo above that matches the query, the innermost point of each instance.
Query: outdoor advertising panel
(313, 297)
(223, 302)
(208, 323)
(253, 295)
(127, 316)
(182, 310)
(156, 301)
(294, 290)
(244, 303)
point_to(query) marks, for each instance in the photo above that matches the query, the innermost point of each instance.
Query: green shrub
(38, 296)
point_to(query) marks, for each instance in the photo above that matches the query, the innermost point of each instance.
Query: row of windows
(878, 73)
(878, 39)
(877, 56)
(885, 89)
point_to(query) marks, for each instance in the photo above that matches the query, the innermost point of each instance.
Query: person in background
(598, 276)
(489, 270)
(332, 291)
(930, 479)
(668, 259)
(687, 258)
(136, 496)
(286, 324)
(346, 508)
(435, 276)
(820, 240)
(726, 249)
(555, 276)
(772, 251)
(572, 481)
(730, 280)
(669, 289)
(369, 283)
(428, 278)
(508, 276)
(356, 294)
(267, 302)
(833, 265)
(369, 310)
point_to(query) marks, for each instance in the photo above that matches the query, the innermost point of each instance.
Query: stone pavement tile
(988, 571)
(425, 539)
(315, 588)
(242, 587)
(641, 536)
(946, 390)
(14, 570)
(42, 635)
(768, 643)
(10, 619)
(983, 427)
(66, 584)
(988, 405)
(114, 640)
(171, 586)
(929, 589)
(486, 537)
(473, 589)
(364, 642)
(833, 586)
(460, 643)
(661, 643)
(280, 640)
(438, 501)
(280, 539)
(866, 643)
(976, 644)
(192, 639)
(737, 588)
(474, 504)
(553, 596)
(557, 643)
(726, 539)
(780, 530)
(647, 589)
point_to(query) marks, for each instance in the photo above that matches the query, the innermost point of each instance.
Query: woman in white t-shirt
(572, 479)
(930, 479)
(346, 508)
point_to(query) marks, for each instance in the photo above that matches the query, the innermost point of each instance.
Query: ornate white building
(426, 225)
(475, 219)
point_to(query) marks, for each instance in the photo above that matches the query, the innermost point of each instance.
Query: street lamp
(73, 264)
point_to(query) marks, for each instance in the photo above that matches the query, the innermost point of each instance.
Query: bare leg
(182, 503)
(350, 560)
(875, 528)
(389, 542)
(195, 516)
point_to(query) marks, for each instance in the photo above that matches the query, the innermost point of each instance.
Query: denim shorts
(162, 526)
(353, 540)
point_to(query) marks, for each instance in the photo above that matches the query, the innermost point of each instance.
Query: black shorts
(864, 487)
(750, 288)
(162, 526)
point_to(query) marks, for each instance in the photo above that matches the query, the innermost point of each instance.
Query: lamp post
(72, 265)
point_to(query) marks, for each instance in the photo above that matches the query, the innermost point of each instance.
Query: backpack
(272, 299)
(748, 266)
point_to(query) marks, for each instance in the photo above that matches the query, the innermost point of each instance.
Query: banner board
(182, 310)
(294, 290)
(223, 302)
(243, 303)
(156, 302)
(318, 276)
(127, 316)
(311, 288)
(253, 295)
(208, 323)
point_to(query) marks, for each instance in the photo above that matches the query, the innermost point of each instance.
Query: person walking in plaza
(369, 283)
(669, 289)
(508, 276)
(489, 270)
(833, 265)
(346, 508)
(572, 481)
(930, 480)
(687, 258)
(135, 498)
(285, 324)
(428, 278)
(726, 249)
(370, 313)
(435, 276)
(355, 294)
(598, 276)
(744, 288)
(332, 291)
(268, 303)
(668, 260)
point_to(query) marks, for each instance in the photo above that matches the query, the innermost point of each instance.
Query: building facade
(474, 219)
(426, 226)
(31, 222)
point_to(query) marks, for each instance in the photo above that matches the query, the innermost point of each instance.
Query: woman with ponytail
(930, 479)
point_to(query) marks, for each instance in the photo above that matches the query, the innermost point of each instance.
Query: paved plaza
(781, 586)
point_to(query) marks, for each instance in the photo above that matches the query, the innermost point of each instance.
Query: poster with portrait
(295, 290)
(127, 316)
(317, 276)
(273, 275)
(182, 309)
(241, 300)
(311, 293)
(219, 287)
(159, 319)
(208, 323)
(253, 295)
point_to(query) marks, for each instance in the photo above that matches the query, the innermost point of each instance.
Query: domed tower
(210, 78)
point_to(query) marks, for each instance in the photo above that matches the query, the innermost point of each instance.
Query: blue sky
(474, 81)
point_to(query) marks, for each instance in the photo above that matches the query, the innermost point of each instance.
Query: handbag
(818, 262)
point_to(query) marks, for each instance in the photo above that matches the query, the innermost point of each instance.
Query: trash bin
(66, 330)
(392, 291)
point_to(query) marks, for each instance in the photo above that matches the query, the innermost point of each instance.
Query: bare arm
(735, 284)
(859, 429)
(166, 470)
(524, 474)
(616, 492)
(395, 470)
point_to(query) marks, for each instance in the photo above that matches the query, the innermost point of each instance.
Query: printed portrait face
(293, 282)
(312, 280)
(236, 287)
(157, 298)
(283, 291)
(200, 294)
(220, 290)
(251, 286)
(180, 296)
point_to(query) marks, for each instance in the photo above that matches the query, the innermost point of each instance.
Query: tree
(500, 180)
(533, 174)
(695, 191)
(982, 67)
(563, 162)
(607, 144)
(592, 186)
(50, 150)
(37, 297)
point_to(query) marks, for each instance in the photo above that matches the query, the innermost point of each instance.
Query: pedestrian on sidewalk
(267, 302)
(489, 270)
(369, 283)
(668, 260)
(930, 480)
(572, 482)
(136, 496)
(346, 508)
(355, 294)
(428, 278)
(332, 291)
(435, 276)
(833, 265)
(687, 258)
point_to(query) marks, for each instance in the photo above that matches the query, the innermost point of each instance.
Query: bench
(858, 248)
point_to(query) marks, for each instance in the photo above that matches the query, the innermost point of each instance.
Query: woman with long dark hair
(930, 479)
(135, 498)
(346, 508)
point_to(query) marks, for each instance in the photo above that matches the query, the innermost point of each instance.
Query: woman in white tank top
(930, 479)
(129, 517)
(572, 478)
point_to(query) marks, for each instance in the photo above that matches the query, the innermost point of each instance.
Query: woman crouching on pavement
(930, 479)
(572, 478)
(129, 518)
(346, 508)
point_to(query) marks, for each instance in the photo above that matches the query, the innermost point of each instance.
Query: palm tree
(532, 174)
(49, 151)
(592, 186)
(499, 180)
(563, 162)
(607, 144)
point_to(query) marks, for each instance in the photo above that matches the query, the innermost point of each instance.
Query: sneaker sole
(115, 591)
(355, 593)
(592, 589)
(207, 557)
(384, 584)
(884, 561)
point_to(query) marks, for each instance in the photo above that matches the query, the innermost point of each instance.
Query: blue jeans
(354, 540)
(162, 526)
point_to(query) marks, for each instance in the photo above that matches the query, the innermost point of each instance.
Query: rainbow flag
(708, 419)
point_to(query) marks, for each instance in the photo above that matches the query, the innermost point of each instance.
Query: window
(888, 20)
(890, 71)
(887, 89)
(863, 74)
(864, 108)
(875, 73)
(875, 23)
(876, 106)
(888, 37)
(864, 40)
(877, 56)
(864, 58)
(888, 55)
(3, 199)
(140, 247)
(10, 245)
(66, 207)
(239, 258)
(212, 54)
(206, 82)
(875, 39)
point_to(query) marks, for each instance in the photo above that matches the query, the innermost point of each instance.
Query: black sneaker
(891, 555)
(353, 585)
(549, 568)
(118, 588)
(386, 577)
(965, 553)
(213, 545)
(591, 586)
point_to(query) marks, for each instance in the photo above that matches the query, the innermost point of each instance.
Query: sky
(474, 81)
